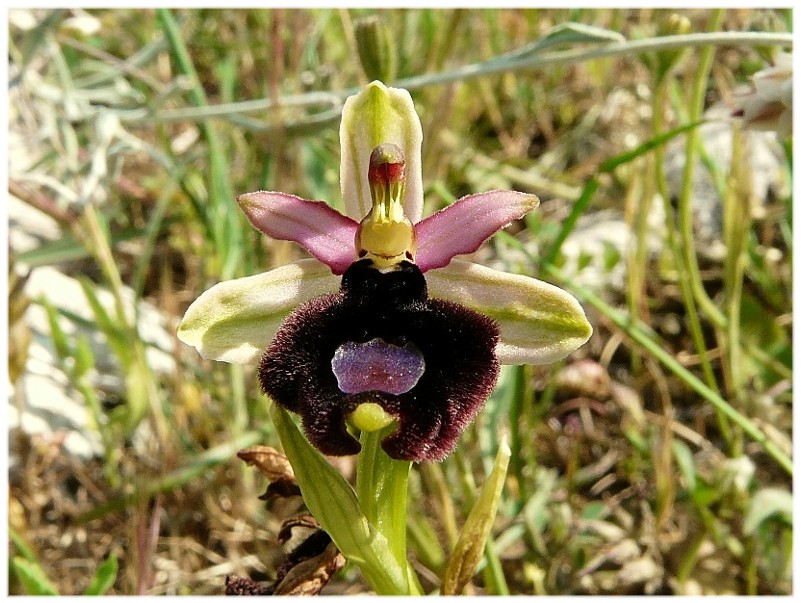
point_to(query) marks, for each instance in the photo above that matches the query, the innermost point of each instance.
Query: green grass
(656, 459)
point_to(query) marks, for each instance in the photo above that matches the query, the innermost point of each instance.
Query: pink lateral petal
(463, 226)
(316, 226)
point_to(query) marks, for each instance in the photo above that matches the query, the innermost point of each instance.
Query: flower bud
(376, 52)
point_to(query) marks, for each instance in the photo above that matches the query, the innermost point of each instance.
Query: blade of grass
(67, 249)
(227, 230)
(38, 35)
(696, 104)
(151, 233)
(20, 546)
(674, 244)
(493, 571)
(104, 577)
(33, 577)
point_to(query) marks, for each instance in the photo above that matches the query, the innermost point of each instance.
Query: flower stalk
(381, 487)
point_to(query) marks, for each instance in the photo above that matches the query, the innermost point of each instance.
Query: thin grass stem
(696, 105)
(468, 72)
(675, 247)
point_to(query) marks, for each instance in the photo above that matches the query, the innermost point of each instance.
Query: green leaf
(21, 546)
(535, 512)
(104, 577)
(56, 332)
(39, 36)
(84, 357)
(704, 494)
(116, 336)
(32, 577)
(473, 537)
(137, 397)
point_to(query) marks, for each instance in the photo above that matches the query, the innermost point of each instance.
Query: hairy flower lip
(456, 343)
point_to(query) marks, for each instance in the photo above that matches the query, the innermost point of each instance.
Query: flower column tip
(386, 235)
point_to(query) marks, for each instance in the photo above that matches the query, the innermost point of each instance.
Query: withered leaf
(310, 576)
(280, 489)
(271, 463)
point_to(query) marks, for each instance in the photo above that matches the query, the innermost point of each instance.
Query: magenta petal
(465, 225)
(316, 226)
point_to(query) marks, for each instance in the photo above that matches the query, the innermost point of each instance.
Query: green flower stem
(332, 501)
(381, 488)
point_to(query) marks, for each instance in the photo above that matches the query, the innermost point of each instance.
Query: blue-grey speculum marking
(377, 366)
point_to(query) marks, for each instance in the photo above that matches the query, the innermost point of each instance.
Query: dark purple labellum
(377, 366)
(428, 363)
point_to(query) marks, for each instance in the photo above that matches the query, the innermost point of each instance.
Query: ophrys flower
(406, 330)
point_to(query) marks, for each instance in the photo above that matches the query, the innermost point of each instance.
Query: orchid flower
(385, 325)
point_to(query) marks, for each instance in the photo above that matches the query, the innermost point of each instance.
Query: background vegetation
(654, 460)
